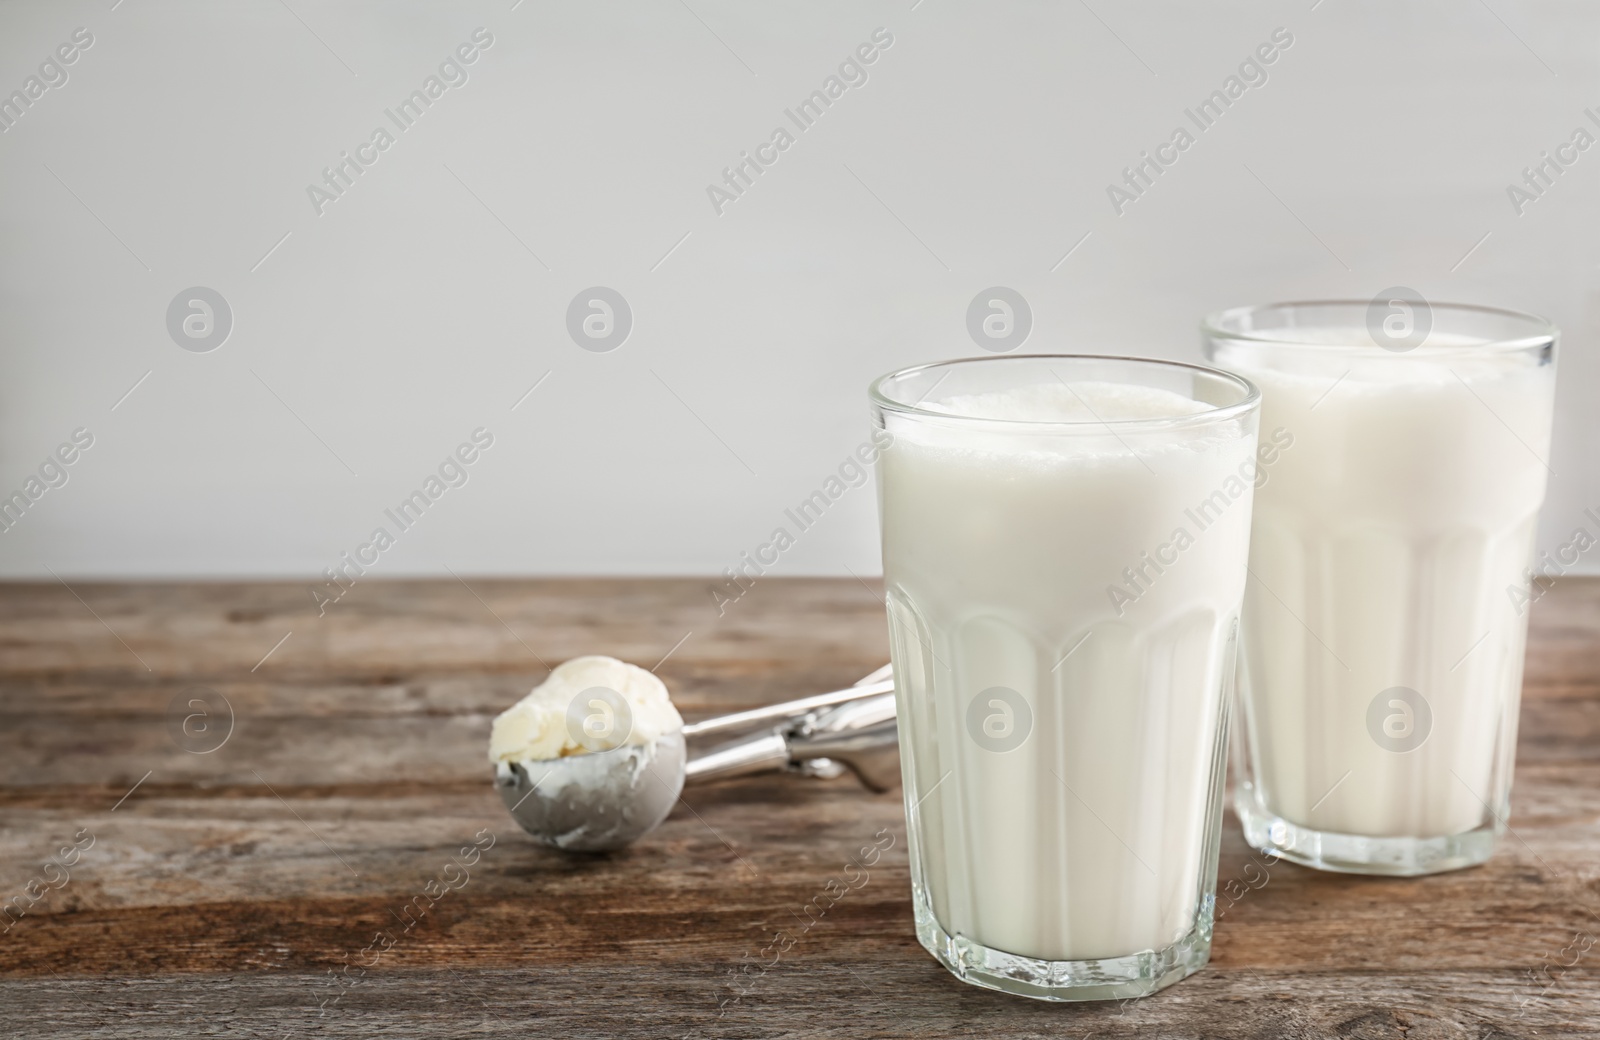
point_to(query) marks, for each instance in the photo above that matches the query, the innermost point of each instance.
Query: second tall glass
(1386, 615)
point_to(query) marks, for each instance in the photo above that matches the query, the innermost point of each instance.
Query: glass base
(1358, 854)
(1113, 978)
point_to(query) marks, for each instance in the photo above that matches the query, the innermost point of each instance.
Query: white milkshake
(1382, 656)
(1064, 561)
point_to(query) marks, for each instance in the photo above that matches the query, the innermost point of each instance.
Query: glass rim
(1543, 332)
(1249, 401)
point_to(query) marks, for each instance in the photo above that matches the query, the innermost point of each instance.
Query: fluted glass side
(1115, 848)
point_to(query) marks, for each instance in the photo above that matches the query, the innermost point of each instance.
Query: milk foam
(1054, 425)
(1087, 401)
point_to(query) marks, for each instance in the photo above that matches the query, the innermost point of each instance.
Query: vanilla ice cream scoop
(592, 758)
(588, 704)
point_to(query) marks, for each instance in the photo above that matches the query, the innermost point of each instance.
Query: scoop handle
(761, 753)
(771, 751)
(860, 734)
(791, 709)
(872, 753)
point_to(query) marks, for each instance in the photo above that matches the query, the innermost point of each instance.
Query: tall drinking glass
(1385, 620)
(1064, 546)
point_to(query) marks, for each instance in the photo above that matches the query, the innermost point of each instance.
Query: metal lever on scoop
(876, 683)
(855, 727)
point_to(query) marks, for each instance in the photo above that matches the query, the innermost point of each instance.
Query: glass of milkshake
(1064, 548)
(1385, 616)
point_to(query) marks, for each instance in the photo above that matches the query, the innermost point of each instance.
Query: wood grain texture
(239, 892)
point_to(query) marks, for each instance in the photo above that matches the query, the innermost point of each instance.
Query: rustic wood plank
(220, 892)
(846, 1000)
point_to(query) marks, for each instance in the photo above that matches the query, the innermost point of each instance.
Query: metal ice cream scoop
(604, 800)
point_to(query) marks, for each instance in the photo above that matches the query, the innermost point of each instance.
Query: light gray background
(419, 306)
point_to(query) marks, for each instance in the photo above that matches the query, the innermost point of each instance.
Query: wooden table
(248, 891)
